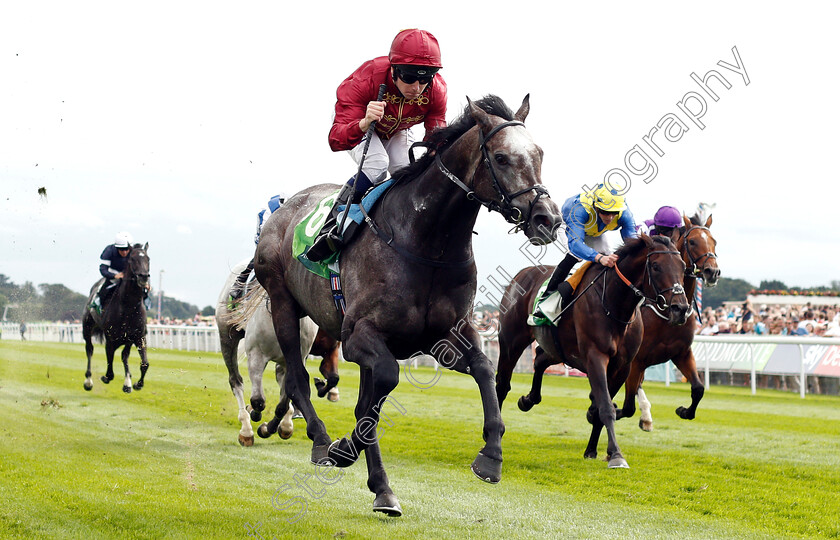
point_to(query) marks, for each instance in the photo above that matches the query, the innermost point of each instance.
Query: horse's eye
(692, 243)
(501, 159)
(656, 267)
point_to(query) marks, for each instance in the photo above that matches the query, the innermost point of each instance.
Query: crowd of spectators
(787, 320)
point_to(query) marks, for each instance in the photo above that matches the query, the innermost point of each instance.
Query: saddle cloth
(309, 227)
(547, 312)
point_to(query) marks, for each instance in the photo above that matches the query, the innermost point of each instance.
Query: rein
(505, 205)
(659, 301)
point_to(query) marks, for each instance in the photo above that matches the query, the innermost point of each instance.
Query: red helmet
(415, 47)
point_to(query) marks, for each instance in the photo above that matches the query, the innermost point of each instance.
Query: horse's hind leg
(144, 364)
(257, 361)
(541, 363)
(688, 367)
(631, 387)
(282, 421)
(229, 339)
(110, 349)
(287, 329)
(127, 382)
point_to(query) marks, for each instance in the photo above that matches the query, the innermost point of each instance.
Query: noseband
(695, 270)
(505, 203)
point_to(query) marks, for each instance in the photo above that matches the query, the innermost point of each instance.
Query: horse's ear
(480, 116)
(146, 247)
(709, 221)
(524, 109)
(687, 221)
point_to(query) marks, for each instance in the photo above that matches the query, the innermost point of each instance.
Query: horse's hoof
(246, 441)
(320, 385)
(646, 425)
(285, 434)
(590, 455)
(127, 389)
(342, 452)
(105, 379)
(333, 395)
(487, 468)
(320, 454)
(618, 462)
(88, 386)
(263, 432)
(387, 503)
(684, 413)
(525, 404)
(256, 415)
(138, 386)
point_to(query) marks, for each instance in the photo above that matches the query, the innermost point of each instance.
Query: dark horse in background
(600, 330)
(662, 341)
(409, 279)
(256, 331)
(122, 322)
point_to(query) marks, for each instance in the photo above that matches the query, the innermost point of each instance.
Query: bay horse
(409, 279)
(122, 322)
(662, 341)
(261, 347)
(600, 330)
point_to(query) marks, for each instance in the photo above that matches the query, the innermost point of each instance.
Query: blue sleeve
(576, 217)
(627, 225)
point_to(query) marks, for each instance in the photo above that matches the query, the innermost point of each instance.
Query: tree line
(55, 302)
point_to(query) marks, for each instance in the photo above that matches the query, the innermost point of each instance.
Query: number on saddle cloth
(307, 230)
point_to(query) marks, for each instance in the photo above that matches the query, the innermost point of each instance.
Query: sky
(176, 121)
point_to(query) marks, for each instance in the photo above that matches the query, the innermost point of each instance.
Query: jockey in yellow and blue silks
(587, 217)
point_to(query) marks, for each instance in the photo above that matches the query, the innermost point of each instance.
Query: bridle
(658, 300)
(695, 271)
(504, 204)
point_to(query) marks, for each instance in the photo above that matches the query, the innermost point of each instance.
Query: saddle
(549, 311)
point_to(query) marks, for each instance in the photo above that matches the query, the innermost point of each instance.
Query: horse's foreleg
(688, 367)
(542, 362)
(488, 464)
(110, 349)
(144, 364)
(89, 352)
(593, 418)
(602, 401)
(282, 421)
(126, 351)
(379, 375)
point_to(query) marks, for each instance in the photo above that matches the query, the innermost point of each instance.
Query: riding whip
(382, 88)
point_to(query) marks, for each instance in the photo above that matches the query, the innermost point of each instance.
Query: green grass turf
(164, 462)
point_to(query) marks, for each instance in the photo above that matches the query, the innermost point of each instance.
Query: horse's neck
(619, 292)
(437, 210)
(128, 290)
(689, 282)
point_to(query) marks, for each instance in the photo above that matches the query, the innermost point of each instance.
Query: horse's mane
(632, 246)
(442, 138)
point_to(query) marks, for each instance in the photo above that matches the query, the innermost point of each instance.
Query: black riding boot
(559, 276)
(239, 285)
(330, 239)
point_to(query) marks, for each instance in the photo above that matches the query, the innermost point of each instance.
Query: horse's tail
(252, 299)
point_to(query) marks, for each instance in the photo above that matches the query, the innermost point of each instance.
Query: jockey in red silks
(416, 93)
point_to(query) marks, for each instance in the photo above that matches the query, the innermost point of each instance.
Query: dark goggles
(411, 78)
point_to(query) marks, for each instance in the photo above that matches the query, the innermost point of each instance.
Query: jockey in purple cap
(665, 222)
